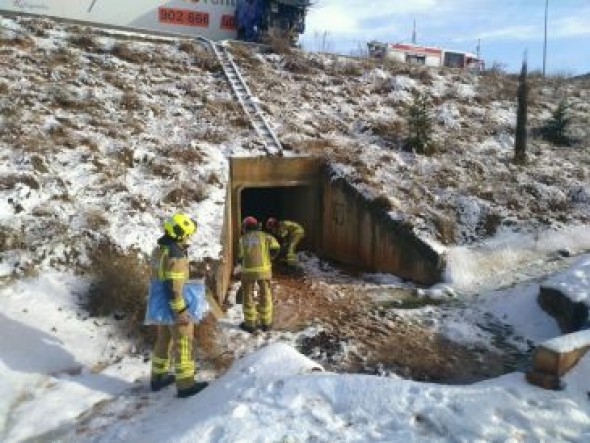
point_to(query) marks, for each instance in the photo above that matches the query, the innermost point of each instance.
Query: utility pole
(545, 41)
(414, 33)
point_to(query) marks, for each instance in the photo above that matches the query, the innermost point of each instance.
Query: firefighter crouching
(289, 234)
(256, 250)
(170, 264)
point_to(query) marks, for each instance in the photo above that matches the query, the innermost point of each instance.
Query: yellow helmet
(180, 226)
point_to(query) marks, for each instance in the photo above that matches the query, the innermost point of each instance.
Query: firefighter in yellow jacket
(256, 249)
(289, 235)
(170, 263)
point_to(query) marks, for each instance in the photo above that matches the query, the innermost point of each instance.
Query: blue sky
(505, 28)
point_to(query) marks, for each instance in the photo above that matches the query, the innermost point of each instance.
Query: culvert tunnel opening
(345, 231)
(296, 203)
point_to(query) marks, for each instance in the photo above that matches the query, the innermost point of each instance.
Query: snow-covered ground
(101, 137)
(69, 378)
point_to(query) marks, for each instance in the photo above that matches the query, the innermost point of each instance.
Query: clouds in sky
(350, 23)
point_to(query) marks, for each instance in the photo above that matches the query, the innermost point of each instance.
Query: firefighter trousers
(291, 248)
(175, 341)
(260, 310)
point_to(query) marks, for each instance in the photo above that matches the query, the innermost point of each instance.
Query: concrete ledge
(556, 357)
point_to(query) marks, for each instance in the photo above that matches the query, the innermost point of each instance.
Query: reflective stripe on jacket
(254, 252)
(169, 262)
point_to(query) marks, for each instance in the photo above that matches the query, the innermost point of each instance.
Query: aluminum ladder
(249, 104)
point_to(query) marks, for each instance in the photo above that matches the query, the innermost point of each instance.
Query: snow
(65, 376)
(272, 394)
(573, 283)
(569, 342)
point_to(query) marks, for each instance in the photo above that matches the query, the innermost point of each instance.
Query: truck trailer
(211, 19)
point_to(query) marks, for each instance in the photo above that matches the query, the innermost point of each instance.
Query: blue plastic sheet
(158, 310)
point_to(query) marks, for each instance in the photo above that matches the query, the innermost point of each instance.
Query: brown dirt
(379, 345)
(355, 334)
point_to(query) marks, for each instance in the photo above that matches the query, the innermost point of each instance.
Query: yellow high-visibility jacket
(169, 263)
(288, 229)
(255, 255)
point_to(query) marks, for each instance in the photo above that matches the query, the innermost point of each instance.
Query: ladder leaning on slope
(247, 101)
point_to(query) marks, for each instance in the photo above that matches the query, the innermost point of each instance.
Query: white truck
(212, 19)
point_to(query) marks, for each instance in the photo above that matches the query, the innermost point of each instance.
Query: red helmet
(272, 223)
(249, 223)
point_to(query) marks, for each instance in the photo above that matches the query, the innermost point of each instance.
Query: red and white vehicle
(426, 55)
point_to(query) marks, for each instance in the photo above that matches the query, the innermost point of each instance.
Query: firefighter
(256, 250)
(289, 235)
(170, 263)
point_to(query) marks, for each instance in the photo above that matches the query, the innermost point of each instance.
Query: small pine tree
(420, 124)
(555, 129)
(520, 141)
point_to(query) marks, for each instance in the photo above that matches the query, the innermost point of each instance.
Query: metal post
(545, 41)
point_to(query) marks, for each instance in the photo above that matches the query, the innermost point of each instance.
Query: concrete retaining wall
(340, 223)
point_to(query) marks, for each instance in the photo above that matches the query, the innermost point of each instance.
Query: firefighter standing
(256, 249)
(289, 235)
(170, 263)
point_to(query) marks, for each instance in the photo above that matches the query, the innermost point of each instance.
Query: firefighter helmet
(180, 226)
(249, 223)
(272, 224)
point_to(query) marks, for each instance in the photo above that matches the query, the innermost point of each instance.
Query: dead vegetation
(186, 193)
(119, 287)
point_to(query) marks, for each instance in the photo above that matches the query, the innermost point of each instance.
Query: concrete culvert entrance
(346, 327)
(298, 203)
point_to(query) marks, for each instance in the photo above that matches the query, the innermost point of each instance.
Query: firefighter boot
(247, 327)
(160, 381)
(192, 390)
(266, 328)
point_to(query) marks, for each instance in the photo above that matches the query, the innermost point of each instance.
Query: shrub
(84, 41)
(119, 286)
(124, 52)
(555, 129)
(420, 124)
(186, 194)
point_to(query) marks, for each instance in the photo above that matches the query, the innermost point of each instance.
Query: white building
(425, 55)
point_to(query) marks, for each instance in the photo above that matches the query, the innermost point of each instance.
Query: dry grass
(206, 345)
(203, 59)
(119, 286)
(84, 41)
(162, 169)
(446, 227)
(125, 52)
(187, 193)
(279, 43)
(312, 146)
(212, 134)
(39, 164)
(9, 181)
(10, 239)
(117, 81)
(130, 101)
(96, 220)
(391, 131)
(186, 155)
(297, 64)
